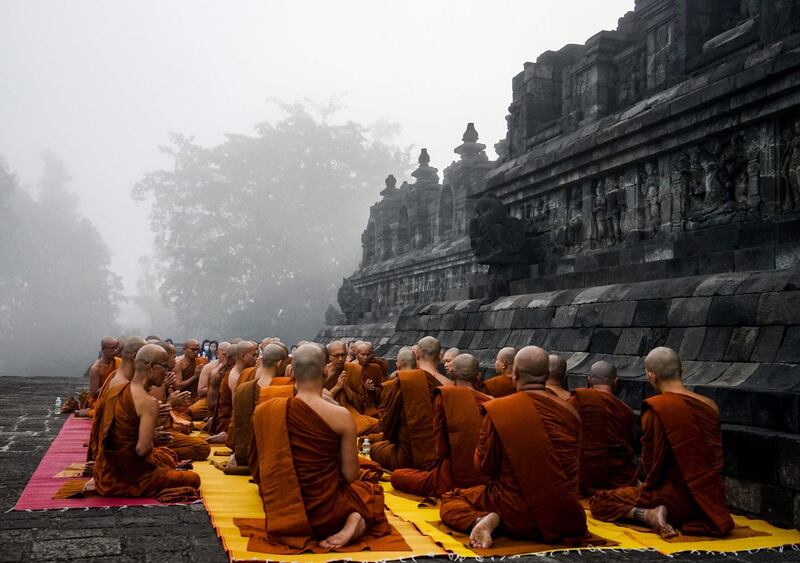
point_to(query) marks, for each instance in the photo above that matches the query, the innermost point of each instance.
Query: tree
(253, 235)
(58, 296)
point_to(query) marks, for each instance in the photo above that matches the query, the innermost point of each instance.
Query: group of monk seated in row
(510, 455)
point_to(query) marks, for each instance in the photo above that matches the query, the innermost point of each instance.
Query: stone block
(775, 410)
(633, 255)
(736, 374)
(765, 282)
(503, 319)
(608, 259)
(541, 317)
(742, 495)
(757, 234)
(758, 258)
(536, 337)
(733, 310)
(682, 287)
(631, 342)
(688, 311)
(65, 549)
(513, 339)
(490, 339)
(789, 462)
(473, 321)
(750, 454)
(715, 343)
(619, 314)
(459, 320)
(521, 318)
(789, 352)
(488, 320)
(692, 343)
(574, 340)
(777, 504)
(716, 263)
(767, 344)
(675, 338)
(589, 314)
(645, 290)
(741, 344)
(721, 284)
(682, 267)
(564, 316)
(787, 255)
(651, 312)
(475, 343)
(774, 377)
(434, 323)
(551, 338)
(604, 340)
(704, 373)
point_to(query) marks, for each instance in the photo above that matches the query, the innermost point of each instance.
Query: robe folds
(248, 396)
(606, 441)
(407, 419)
(543, 450)
(105, 376)
(119, 470)
(457, 420)
(223, 410)
(190, 370)
(500, 386)
(682, 456)
(194, 448)
(305, 497)
(199, 409)
(352, 397)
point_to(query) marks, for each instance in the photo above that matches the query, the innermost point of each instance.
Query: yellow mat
(229, 496)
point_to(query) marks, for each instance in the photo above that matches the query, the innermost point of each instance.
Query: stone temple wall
(647, 193)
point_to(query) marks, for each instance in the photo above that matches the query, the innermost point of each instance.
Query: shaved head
(132, 346)
(447, 360)
(150, 353)
(308, 363)
(429, 349)
(406, 359)
(664, 363)
(272, 354)
(504, 363)
(167, 346)
(558, 370)
(466, 368)
(604, 373)
(108, 342)
(531, 365)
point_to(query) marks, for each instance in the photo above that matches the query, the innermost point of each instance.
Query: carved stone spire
(471, 149)
(425, 174)
(390, 188)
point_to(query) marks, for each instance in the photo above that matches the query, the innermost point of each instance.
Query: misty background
(205, 169)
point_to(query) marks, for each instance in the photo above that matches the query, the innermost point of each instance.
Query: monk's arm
(147, 427)
(347, 447)
(202, 382)
(654, 447)
(489, 452)
(94, 380)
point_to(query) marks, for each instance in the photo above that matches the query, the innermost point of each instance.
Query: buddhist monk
(370, 376)
(407, 413)
(382, 364)
(406, 359)
(447, 361)
(248, 396)
(534, 435)
(343, 380)
(311, 444)
(124, 462)
(682, 459)
(103, 367)
(246, 353)
(220, 417)
(501, 384)
(557, 382)
(607, 453)
(199, 409)
(457, 423)
(186, 369)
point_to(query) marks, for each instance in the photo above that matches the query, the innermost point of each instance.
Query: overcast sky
(102, 83)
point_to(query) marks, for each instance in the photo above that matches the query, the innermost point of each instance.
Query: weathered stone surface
(689, 311)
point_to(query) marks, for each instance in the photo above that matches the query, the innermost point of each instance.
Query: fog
(102, 85)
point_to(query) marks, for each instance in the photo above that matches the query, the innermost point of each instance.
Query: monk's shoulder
(705, 400)
(336, 416)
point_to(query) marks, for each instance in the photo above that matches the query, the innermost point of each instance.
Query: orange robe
(352, 397)
(245, 375)
(457, 420)
(199, 409)
(248, 397)
(500, 386)
(105, 376)
(223, 410)
(682, 455)
(407, 419)
(606, 441)
(305, 497)
(118, 470)
(537, 437)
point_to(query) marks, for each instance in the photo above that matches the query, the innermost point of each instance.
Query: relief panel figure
(615, 211)
(599, 213)
(790, 166)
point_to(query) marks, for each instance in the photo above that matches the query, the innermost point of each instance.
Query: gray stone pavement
(142, 534)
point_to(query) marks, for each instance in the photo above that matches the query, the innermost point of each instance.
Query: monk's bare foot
(217, 438)
(354, 528)
(481, 535)
(656, 518)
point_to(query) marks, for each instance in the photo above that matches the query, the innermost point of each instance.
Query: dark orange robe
(407, 418)
(118, 470)
(105, 376)
(248, 397)
(537, 437)
(606, 442)
(352, 397)
(500, 386)
(457, 421)
(223, 410)
(682, 455)
(305, 497)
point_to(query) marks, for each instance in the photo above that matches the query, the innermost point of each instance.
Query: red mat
(67, 448)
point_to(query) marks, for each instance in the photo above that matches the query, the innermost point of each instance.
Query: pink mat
(67, 448)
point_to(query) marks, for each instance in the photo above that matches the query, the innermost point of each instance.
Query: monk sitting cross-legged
(249, 395)
(557, 381)
(457, 423)
(221, 410)
(528, 450)
(188, 366)
(103, 367)
(607, 438)
(344, 381)
(682, 458)
(124, 463)
(501, 384)
(245, 352)
(307, 457)
(407, 413)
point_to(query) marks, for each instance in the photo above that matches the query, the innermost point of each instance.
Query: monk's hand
(180, 398)
(162, 437)
(169, 380)
(164, 409)
(369, 385)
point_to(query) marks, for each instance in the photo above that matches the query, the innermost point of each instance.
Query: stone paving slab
(142, 534)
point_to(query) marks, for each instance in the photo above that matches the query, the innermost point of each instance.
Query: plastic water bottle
(58, 405)
(365, 447)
